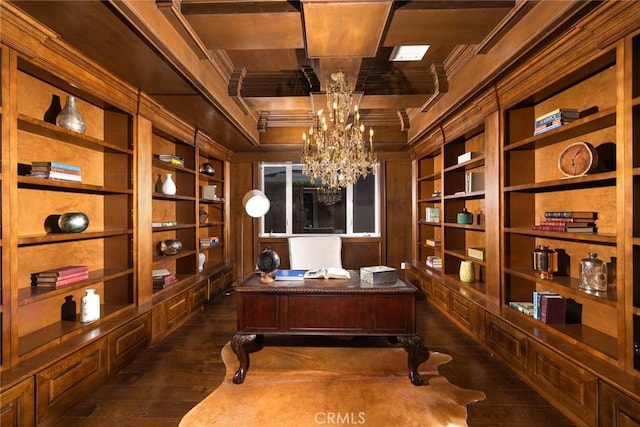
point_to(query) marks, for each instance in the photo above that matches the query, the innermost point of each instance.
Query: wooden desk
(333, 307)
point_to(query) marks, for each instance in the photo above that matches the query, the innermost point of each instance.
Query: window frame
(288, 166)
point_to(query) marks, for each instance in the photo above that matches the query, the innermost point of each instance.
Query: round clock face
(578, 159)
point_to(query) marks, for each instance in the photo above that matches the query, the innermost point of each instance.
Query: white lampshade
(256, 203)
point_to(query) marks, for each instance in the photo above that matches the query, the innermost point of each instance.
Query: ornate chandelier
(335, 152)
(329, 196)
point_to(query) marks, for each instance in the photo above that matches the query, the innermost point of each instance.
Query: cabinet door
(61, 385)
(199, 294)
(572, 387)
(468, 314)
(169, 314)
(617, 409)
(506, 341)
(17, 408)
(127, 341)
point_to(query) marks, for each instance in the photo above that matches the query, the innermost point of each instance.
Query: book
(564, 113)
(473, 181)
(544, 129)
(477, 253)
(327, 273)
(523, 307)
(432, 214)
(572, 214)
(289, 274)
(60, 282)
(36, 278)
(160, 272)
(41, 169)
(465, 157)
(553, 309)
(537, 297)
(433, 242)
(67, 270)
(57, 176)
(582, 230)
(55, 164)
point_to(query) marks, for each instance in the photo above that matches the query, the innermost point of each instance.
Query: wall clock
(578, 159)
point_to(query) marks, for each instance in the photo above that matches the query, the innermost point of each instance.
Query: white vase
(201, 260)
(169, 186)
(467, 273)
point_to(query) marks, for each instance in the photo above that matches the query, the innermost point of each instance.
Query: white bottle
(89, 306)
(169, 187)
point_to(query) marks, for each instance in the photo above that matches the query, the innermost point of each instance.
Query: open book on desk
(327, 273)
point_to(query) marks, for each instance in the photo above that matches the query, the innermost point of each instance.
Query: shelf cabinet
(105, 195)
(211, 209)
(534, 185)
(174, 215)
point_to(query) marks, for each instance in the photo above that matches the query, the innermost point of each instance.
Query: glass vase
(70, 118)
(593, 273)
(544, 261)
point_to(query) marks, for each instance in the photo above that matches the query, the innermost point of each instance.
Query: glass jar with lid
(593, 273)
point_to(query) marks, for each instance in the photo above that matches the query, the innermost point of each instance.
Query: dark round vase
(71, 222)
(169, 247)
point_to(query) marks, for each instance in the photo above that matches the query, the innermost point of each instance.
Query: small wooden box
(378, 274)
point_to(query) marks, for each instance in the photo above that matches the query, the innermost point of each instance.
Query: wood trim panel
(567, 384)
(508, 342)
(127, 341)
(17, 405)
(616, 409)
(61, 385)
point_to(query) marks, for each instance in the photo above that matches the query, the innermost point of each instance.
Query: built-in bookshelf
(534, 185)
(429, 207)
(211, 209)
(174, 215)
(463, 197)
(104, 155)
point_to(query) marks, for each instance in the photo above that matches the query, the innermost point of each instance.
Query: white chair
(313, 252)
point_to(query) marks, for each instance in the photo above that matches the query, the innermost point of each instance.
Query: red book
(553, 309)
(64, 271)
(60, 283)
(42, 279)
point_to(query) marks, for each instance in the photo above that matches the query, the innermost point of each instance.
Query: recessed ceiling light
(408, 53)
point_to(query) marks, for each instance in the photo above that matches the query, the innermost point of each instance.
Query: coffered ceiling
(251, 73)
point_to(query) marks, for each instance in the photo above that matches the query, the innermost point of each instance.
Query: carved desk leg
(238, 343)
(417, 354)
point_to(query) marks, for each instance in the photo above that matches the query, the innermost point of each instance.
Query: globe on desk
(268, 262)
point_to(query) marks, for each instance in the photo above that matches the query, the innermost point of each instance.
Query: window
(301, 206)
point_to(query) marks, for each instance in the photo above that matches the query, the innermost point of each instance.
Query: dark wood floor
(168, 379)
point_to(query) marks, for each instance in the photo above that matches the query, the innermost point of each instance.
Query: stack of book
(432, 214)
(60, 277)
(209, 242)
(476, 252)
(522, 307)
(171, 158)
(434, 261)
(568, 222)
(163, 278)
(56, 170)
(554, 119)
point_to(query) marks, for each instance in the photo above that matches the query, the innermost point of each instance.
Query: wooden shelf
(68, 186)
(31, 294)
(471, 164)
(41, 239)
(604, 238)
(576, 128)
(39, 127)
(604, 179)
(565, 286)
